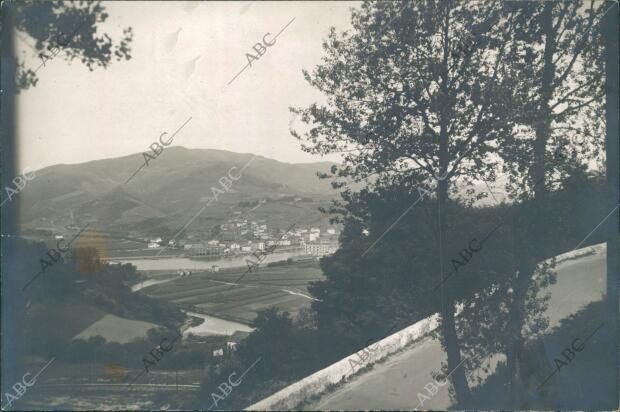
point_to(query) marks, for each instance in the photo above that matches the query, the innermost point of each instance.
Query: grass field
(117, 329)
(223, 295)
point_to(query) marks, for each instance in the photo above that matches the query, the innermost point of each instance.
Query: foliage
(70, 26)
(64, 284)
(414, 92)
(590, 371)
(286, 262)
(283, 351)
(392, 82)
(555, 54)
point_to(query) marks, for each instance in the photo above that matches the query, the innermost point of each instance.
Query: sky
(184, 54)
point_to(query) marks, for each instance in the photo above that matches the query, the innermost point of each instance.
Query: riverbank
(186, 263)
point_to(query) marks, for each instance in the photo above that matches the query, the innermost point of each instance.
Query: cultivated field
(117, 329)
(218, 295)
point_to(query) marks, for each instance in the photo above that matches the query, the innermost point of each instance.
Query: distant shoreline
(174, 263)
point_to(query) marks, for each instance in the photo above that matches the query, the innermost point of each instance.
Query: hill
(168, 192)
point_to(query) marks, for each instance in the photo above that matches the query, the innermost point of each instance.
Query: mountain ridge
(172, 185)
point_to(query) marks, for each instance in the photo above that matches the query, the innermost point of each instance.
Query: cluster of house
(240, 236)
(185, 273)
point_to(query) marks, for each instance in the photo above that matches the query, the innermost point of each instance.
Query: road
(395, 384)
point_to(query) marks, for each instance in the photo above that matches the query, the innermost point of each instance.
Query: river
(210, 325)
(214, 326)
(191, 264)
(149, 282)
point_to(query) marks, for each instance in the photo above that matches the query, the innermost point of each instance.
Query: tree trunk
(459, 381)
(543, 120)
(450, 337)
(542, 127)
(516, 320)
(610, 34)
(448, 307)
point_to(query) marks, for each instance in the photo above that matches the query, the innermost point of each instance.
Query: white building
(321, 248)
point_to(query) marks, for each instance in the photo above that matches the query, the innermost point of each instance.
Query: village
(239, 236)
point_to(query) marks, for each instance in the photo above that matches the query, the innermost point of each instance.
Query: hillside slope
(170, 190)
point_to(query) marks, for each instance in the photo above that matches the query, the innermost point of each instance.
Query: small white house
(218, 352)
(235, 338)
(153, 245)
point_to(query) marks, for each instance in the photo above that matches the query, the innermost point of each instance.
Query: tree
(557, 111)
(359, 294)
(416, 90)
(87, 260)
(64, 27)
